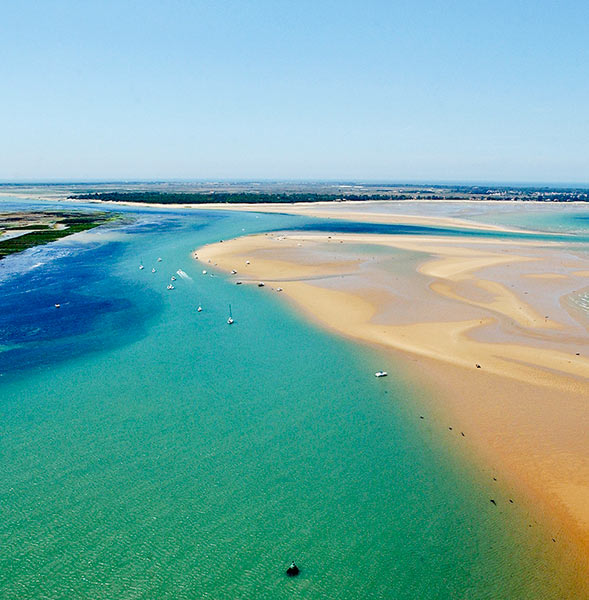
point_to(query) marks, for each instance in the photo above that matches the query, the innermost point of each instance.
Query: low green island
(22, 230)
(248, 193)
(225, 197)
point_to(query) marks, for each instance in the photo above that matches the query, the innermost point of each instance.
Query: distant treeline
(459, 193)
(228, 197)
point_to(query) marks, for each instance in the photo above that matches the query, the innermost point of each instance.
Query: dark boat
(292, 570)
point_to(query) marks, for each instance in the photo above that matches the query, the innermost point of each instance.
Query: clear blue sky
(389, 90)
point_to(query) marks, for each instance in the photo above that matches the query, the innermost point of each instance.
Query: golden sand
(483, 323)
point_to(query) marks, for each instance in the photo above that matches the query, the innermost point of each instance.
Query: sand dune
(462, 303)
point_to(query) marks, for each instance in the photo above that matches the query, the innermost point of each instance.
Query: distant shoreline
(22, 230)
(337, 193)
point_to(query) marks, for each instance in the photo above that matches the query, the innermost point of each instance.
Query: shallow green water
(188, 459)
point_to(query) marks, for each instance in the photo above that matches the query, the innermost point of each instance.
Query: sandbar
(483, 323)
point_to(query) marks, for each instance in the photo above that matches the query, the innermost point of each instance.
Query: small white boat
(238, 282)
(173, 278)
(199, 309)
(204, 272)
(153, 270)
(170, 286)
(230, 320)
(141, 267)
(381, 374)
(159, 260)
(278, 289)
(58, 306)
(247, 262)
(261, 284)
(233, 272)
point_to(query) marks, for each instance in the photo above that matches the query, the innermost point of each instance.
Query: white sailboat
(230, 320)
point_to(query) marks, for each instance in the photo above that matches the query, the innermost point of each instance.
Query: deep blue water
(100, 307)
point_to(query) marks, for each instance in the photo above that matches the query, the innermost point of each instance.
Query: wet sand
(490, 327)
(391, 212)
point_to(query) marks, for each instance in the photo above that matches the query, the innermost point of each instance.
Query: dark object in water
(292, 570)
(478, 366)
(493, 501)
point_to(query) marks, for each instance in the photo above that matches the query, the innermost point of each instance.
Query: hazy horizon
(302, 182)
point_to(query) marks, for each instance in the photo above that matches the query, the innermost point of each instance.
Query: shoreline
(523, 409)
(343, 212)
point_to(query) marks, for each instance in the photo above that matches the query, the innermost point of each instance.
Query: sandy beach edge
(346, 211)
(430, 370)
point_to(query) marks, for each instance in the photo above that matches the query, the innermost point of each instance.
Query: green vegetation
(228, 197)
(322, 193)
(61, 225)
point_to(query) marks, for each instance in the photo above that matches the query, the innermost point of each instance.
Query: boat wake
(184, 275)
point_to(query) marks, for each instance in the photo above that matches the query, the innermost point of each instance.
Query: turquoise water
(540, 216)
(150, 451)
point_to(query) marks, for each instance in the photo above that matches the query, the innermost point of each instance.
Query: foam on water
(184, 275)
